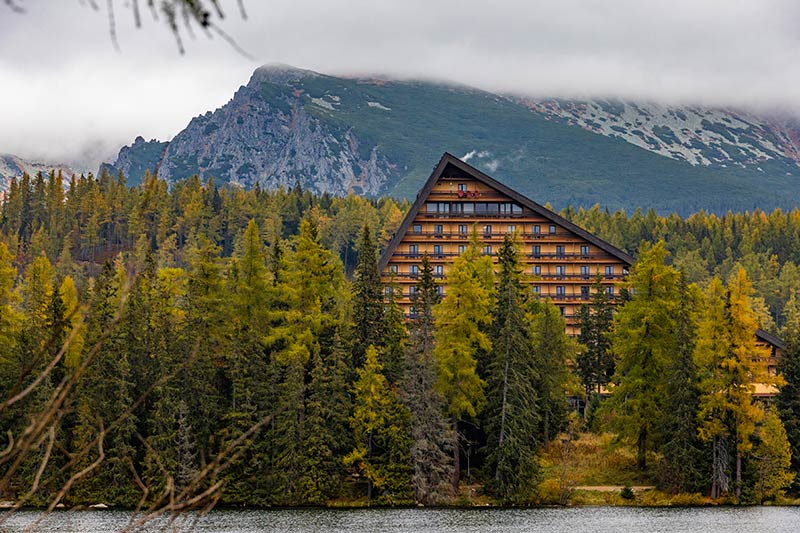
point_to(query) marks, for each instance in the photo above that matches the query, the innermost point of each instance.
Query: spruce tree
(368, 312)
(513, 412)
(683, 453)
(788, 399)
(431, 438)
(596, 362)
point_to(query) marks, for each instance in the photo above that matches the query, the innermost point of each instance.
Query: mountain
(13, 166)
(377, 136)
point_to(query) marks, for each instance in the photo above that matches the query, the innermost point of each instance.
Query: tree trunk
(714, 487)
(738, 473)
(641, 459)
(369, 480)
(502, 437)
(547, 431)
(456, 464)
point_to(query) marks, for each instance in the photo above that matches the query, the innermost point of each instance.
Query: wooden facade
(776, 348)
(562, 261)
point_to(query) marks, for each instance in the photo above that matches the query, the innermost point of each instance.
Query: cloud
(66, 91)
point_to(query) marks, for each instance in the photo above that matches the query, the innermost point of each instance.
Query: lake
(567, 520)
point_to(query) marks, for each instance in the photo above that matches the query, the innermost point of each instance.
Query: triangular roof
(449, 159)
(770, 339)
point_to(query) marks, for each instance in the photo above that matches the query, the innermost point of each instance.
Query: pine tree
(513, 412)
(460, 319)
(788, 399)
(431, 439)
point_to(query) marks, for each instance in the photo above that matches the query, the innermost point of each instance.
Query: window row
(487, 229)
(474, 208)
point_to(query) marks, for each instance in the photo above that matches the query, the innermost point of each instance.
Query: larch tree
(644, 339)
(461, 319)
(772, 459)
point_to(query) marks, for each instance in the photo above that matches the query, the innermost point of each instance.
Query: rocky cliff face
(289, 126)
(266, 135)
(12, 166)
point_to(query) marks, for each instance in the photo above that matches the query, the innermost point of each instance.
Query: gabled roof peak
(449, 159)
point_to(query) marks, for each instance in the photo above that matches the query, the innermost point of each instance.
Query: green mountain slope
(383, 137)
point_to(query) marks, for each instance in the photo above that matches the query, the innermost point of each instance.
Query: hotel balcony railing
(542, 255)
(465, 236)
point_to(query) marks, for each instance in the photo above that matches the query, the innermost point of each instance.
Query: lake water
(568, 520)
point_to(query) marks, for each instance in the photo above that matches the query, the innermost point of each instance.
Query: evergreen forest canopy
(173, 348)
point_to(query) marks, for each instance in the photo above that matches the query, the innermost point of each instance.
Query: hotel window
(584, 292)
(552, 229)
(537, 270)
(560, 271)
(610, 270)
(412, 290)
(511, 229)
(585, 251)
(438, 270)
(462, 187)
(610, 290)
(432, 207)
(393, 269)
(536, 289)
(468, 208)
(559, 251)
(437, 250)
(440, 290)
(487, 231)
(413, 271)
(585, 271)
(462, 229)
(487, 250)
(563, 310)
(516, 209)
(412, 311)
(461, 248)
(560, 291)
(437, 230)
(413, 249)
(537, 229)
(536, 250)
(387, 291)
(417, 228)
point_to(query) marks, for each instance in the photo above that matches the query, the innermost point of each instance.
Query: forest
(169, 347)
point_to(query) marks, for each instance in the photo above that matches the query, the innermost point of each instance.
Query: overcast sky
(67, 94)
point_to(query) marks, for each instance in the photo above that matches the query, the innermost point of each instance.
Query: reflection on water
(571, 520)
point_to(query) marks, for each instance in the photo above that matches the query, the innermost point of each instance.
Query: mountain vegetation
(177, 347)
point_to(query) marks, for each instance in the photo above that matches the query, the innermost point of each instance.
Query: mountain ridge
(376, 136)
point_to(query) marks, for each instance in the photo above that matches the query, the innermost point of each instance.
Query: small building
(776, 348)
(561, 260)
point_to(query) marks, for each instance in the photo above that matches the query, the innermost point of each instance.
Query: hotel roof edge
(448, 158)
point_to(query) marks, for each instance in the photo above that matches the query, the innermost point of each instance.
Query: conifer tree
(431, 439)
(644, 339)
(368, 312)
(788, 399)
(513, 411)
(772, 458)
(325, 436)
(683, 463)
(552, 349)
(460, 321)
(380, 425)
(596, 362)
